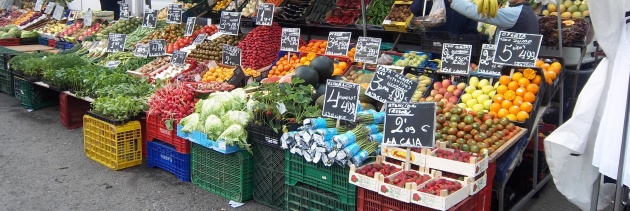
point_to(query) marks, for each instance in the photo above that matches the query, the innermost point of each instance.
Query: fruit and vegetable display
(172, 102)
(316, 13)
(516, 95)
(221, 4)
(210, 87)
(412, 59)
(315, 46)
(377, 11)
(54, 27)
(31, 20)
(141, 32)
(551, 70)
(385, 169)
(235, 4)
(213, 49)
(170, 34)
(251, 7)
(340, 16)
(399, 13)
(119, 27)
(405, 177)
(479, 94)
(294, 10)
(71, 29)
(154, 65)
(260, 47)
(445, 91)
(218, 74)
(10, 17)
(437, 187)
(572, 30)
(423, 84)
(567, 9)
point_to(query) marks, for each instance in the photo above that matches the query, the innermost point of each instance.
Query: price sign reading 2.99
(517, 49)
(409, 124)
(341, 100)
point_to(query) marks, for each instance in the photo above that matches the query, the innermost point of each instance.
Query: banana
(479, 4)
(493, 8)
(486, 8)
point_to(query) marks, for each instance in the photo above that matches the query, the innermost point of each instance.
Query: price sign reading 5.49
(409, 124)
(517, 49)
(341, 100)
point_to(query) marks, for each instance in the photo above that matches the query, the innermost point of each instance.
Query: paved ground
(43, 167)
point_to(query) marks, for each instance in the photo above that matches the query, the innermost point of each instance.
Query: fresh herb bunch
(120, 107)
(36, 66)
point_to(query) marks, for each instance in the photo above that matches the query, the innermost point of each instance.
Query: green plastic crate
(227, 175)
(32, 96)
(269, 187)
(6, 82)
(328, 178)
(305, 197)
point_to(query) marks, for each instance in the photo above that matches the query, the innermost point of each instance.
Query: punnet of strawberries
(407, 176)
(342, 17)
(436, 186)
(385, 169)
(456, 155)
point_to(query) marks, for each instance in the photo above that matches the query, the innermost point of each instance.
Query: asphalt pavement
(43, 167)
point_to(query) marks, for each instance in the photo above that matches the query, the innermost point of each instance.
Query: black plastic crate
(6, 82)
(269, 187)
(263, 134)
(432, 41)
(555, 85)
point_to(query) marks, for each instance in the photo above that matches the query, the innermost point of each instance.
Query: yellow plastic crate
(396, 26)
(115, 146)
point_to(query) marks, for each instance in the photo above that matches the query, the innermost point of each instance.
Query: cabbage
(190, 122)
(211, 107)
(251, 105)
(235, 135)
(213, 127)
(236, 117)
(239, 95)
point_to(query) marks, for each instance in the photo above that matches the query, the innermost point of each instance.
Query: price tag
(390, 86)
(290, 40)
(190, 26)
(367, 50)
(112, 64)
(338, 43)
(231, 55)
(116, 42)
(49, 8)
(174, 14)
(87, 18)
(124, 11)
(8, 4)
(38, 5)
(142, 50)
(199, 39)
(230, 22)
(456, 58)
(149, 19)
(486, 66)
(264, 15)
(517, 49)
(409, 124)
(208, 21)
(341, 100)
(179, 57)
(238, 76)
(58, 14)
(157, 47)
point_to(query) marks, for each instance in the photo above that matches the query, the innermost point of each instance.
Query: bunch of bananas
(487, 8)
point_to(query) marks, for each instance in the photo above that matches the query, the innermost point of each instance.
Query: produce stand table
(88, 99)
(31, 48)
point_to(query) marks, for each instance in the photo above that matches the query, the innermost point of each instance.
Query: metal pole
(363, 17)
(558, 3)
(622, 156)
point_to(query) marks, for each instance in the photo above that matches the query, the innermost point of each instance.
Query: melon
(308, 74)
(324, 67)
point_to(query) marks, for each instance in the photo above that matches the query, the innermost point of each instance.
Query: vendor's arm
(506, 17)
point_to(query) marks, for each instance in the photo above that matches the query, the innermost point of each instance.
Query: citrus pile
(516, 95)
(315, 46)
(351, 53)
(285, 65)
(551, 70)
(251, 72)
(218, 74)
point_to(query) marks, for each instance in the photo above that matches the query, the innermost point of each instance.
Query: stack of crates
(269, 187)
(72, 110)
(167, 151)
(226, 175)
(33, 97)
(6, 77)
(116, 146)
(317, 187)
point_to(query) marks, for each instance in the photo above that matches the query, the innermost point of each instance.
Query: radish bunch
(173, 101)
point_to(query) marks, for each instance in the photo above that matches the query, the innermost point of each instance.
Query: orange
(512, 117)
(495, 107)
(533, 88)
(554, 69)
(518, 100)
(529, 97)
(521, 116)
(545, 66)
(513, 85)
(509, 95)
(523, 82)
(529, 73)
(537, 80)
(502, 89)
(504, 80)
(527, 107)
(506, 104)
(517, 76)
(520, 91)
(539, 63)
(503, 113)
(498, 98)
(552, 75)
(514, 109)
(342, 65)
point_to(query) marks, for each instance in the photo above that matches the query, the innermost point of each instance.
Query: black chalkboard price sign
(149, 19)
(230, 23)
(517, 49)
(116, 43)
(341, 100)
(390, 86)
(231, 55)
(290, 40)
(409, 125)
(50, 7)
(456, 58)
(338, 43)
(199, 39)
(174, 14)
(142, 50)
(264, 15)
(486, 66)
(367, 50)
(178, 58)
(157, 47)
(124, 11)
(58, 14)
(190, 26)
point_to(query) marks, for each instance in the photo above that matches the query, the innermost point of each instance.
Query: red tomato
(169, 49)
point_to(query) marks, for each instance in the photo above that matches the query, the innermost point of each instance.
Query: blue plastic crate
(64, 45)
(43, 41)
(504, 162)
(184, 135)
(219, 146)
(166, 157)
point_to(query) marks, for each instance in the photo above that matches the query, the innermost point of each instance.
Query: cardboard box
(395, 26)
(401, 154)
(364, 181)
(473, 168)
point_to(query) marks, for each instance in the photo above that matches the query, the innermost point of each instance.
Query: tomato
(169, 49)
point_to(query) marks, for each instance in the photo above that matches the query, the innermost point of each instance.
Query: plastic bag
(436, 17)
(385, 59)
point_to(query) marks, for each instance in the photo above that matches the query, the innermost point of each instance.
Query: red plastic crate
(72, 110)
(545, 129)
(156, 129)
(484, 197)
(10, 42)
(372, 201)
(52, 43)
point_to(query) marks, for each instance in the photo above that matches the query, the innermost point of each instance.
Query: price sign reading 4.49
(389, 86)
(157, 47)
(290, 40)
(486, 66)
(456, 58)
(264, 15)
(116, 43)
(230, 22)
(409, 124)
(338, 43)
(341, 100)
(231, 55)
(517, 49)
(367, 50)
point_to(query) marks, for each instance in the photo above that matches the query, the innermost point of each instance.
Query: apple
(461, 86)
(442, 91)
(453, 99)
(437, 85)
(446, 82)
(438, 97)
(457, 92)
(450, 88)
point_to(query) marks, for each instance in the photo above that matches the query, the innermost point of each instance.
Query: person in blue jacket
(455, 22)
(520, 17)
